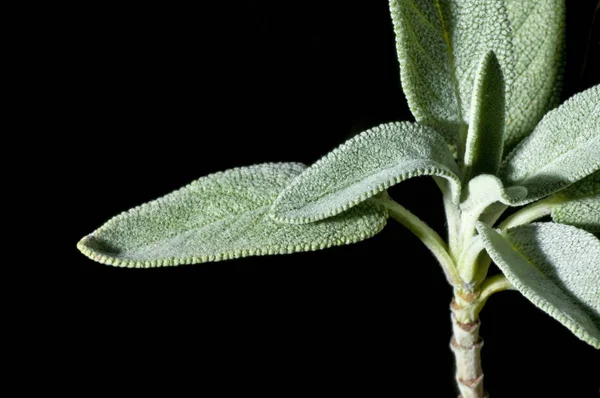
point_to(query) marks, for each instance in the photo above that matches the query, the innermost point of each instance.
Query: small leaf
(538, 36)
(557, 268)
(486, 189)
(581, 206)
(364, 166)
(483, 191)
(220, 217)
(562, 149)
(485, 138)
(439, 46)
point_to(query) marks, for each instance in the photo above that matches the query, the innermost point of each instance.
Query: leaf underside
(439, 46)
(562, 149)
(222, 216)
(538, 37)
(364, 166)
(555, 266)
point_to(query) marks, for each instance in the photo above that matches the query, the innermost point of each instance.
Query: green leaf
(485, 137)
(538, 29)
(562, 149)
(583, 213)
(557, 268)
(589, 186)
(364, 166)
(440, 43)
(581, 206)
(220, 217)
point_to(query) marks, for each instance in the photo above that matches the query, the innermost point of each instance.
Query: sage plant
(482, 79)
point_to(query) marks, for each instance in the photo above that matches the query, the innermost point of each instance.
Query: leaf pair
(256, 210)
(219, 217)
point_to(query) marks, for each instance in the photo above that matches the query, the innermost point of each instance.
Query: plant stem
(466, 346)
(530, 213)
(428, 236)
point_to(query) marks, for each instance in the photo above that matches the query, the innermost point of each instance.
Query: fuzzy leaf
(222, 216)
(364, 166)
(485, 137)
(562, 149)
(589, 186)
(583, 213)
(538, 29)
(440, 43)
(486, 189)
(581, 206)
(483, 191)
(557, 267)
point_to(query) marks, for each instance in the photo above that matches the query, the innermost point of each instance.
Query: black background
(164, 94)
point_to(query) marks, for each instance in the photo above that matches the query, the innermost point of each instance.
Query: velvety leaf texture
(556, 267)
(538, 29)
(364, 166)
(440, 44)
(485, 137)
(219, 217)
(589, 186)
(583, 213)
(563, 148)
(581, 206)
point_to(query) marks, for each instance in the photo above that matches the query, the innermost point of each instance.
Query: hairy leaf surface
(222, 216)
(562, 149)
(364, 166)
(556, 267)
(538, 29)
(485, 137)
(440, 43)
(581, 206)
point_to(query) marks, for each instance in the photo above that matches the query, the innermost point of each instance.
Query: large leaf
(440, 43)
(581, 204)
(364, 166)
(538, 29)
(219, 217)
(562, 149)
(557, 267)
(583, 213)
(483, 153)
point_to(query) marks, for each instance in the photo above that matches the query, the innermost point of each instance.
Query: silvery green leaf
(483, 153)
(589, 186)
(222, 216)
(562, 149)
(538, 29)
(557, 267)
(439, 46)
(583, 213)
(580, 204)
(364, 166)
